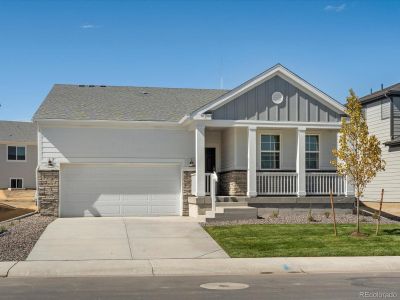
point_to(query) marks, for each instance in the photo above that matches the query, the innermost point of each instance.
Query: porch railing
(276, 183)
(322, 183)
(207, 183)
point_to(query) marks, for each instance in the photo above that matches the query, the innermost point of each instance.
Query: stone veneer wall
(233, 183)
(48, 192)
(186, 191)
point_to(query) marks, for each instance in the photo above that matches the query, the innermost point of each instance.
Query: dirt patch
(391, 208)
(18, 198)
(9, 212)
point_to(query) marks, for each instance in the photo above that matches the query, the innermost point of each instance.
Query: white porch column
(348, 189)
(301, 161)
(252, 162)
(200, 160)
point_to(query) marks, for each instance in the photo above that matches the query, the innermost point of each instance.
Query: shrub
(275, 213)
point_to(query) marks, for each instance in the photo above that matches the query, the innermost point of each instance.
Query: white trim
(280, 150)
(275, 70)
(17, 178)
(319, 151)
(271, 124)
(16, 153)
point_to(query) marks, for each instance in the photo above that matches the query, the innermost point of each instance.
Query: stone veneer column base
(233, 183)
(48, 192)
(186, 190)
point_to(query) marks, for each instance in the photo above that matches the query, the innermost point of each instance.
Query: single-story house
(133, 151)
(18, 155)
(382, 112)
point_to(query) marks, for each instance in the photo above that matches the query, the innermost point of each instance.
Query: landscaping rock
(22, 236)
(302, 218)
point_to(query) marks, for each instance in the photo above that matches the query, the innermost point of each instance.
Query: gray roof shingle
(121, 103)
(13, 131)
(393, 89)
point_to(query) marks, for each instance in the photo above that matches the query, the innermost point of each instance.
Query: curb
(187, 267)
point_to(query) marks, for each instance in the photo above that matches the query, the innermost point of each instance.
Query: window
(312, 152)
(16, 183)
(270, 151)
(16, 153)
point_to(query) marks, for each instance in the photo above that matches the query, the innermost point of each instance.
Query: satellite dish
(277, 97)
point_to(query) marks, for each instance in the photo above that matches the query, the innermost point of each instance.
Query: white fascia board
(276, 70)
(272, 124)
(107, 123)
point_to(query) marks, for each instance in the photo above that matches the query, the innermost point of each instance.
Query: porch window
(270, 151)
(312, 152)
(16, 183)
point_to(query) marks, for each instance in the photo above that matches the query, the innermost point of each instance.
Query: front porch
(267, 161)
(285, 184)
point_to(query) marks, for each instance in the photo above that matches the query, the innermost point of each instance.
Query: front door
(210, 160)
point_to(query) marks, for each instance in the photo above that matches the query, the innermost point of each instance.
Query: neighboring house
(18, 155)
(111, 151)
(382, 112)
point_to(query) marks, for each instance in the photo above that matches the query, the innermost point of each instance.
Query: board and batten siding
(390, 178)
(256, 104)
(115, 145)
(18, 169)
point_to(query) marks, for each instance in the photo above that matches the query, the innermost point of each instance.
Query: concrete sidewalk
(216, 266)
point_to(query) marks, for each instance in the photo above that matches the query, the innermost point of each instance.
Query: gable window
(270, 151)
(16, 183)
(312, 152)
(16, 153)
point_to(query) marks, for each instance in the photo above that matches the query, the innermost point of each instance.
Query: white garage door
(119, 190)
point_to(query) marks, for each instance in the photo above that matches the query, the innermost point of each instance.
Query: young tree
(359, 155)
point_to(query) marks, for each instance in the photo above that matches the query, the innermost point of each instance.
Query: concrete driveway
(125, 238)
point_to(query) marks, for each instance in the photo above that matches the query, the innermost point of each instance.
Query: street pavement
(267, 286)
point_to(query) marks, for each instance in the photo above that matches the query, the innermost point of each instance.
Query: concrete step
(230, 213)
(230, 204)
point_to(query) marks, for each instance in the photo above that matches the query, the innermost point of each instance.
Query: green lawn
(305, 240)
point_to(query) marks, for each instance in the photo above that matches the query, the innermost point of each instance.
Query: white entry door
(119, 190)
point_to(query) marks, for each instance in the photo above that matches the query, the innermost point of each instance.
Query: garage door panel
(115, 190)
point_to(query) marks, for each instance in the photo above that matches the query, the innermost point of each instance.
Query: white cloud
(335, 8)
(89, 26)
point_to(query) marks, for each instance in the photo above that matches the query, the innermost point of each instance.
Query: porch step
(230, 204)
(229, 213)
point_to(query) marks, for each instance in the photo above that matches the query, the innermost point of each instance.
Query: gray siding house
(142, 151)
(382, 112)
(18, 155)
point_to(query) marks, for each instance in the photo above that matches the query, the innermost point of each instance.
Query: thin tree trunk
(358, 214)
(379, 214)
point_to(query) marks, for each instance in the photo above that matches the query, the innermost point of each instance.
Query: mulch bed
(21, 236)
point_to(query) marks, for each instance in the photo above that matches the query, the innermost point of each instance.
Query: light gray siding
(390, 178)
(396, 117)
(15, 169)
(257, 104)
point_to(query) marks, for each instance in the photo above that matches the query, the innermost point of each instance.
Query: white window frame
(17, 178)
(269, 151)
(17, 160)
(319, 151)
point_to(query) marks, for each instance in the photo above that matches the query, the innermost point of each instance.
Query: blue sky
(334, 45)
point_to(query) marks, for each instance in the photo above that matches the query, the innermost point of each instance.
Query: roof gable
(282, 72)
(293, 105)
